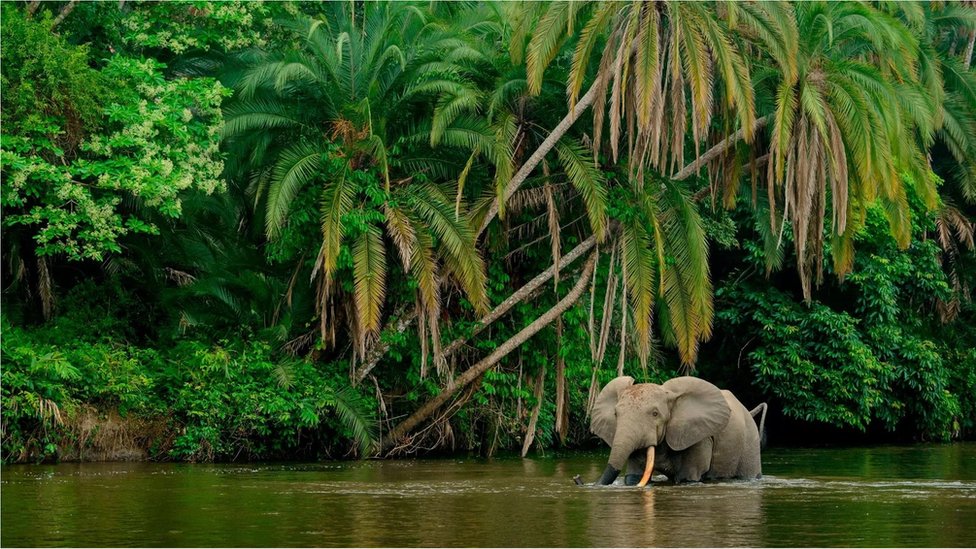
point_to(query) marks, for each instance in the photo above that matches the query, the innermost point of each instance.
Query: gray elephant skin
(685, 428)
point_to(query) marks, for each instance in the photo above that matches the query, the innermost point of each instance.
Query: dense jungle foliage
(246, 230)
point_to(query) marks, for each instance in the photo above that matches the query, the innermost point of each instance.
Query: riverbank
(69, 396)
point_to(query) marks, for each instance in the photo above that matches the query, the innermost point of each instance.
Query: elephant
(685, 428)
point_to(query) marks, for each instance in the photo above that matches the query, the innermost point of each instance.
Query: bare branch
(373, 356)
(718, 149)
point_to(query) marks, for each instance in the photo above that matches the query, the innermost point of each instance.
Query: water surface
(883, 496)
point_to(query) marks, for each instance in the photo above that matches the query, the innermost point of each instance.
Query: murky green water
(886, 496)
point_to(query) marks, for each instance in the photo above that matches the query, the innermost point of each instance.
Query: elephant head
(681, 412)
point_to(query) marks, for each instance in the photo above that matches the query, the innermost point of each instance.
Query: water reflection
(706, 514)
(917, 496)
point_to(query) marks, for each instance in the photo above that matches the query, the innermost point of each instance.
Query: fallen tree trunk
(424, 412)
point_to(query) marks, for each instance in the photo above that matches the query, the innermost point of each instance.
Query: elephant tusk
(647, 468)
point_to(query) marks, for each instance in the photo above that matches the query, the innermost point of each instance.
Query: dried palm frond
(45, 288)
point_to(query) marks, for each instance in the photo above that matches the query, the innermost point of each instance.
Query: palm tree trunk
(472, 373)
(523, 293)
(379, 351)
(401, 322)
(718, 149)
(557, 133)
(64, 13)
(968, 58)
(424, 412)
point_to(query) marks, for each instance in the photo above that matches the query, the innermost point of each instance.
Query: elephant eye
(654, 413)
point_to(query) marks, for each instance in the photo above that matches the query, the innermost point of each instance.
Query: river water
(882, 496)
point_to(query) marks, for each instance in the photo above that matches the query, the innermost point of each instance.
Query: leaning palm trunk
(557, 133)
(425, 411)
(717, 150)
(523, 293)
(400, 324)
(476, 371)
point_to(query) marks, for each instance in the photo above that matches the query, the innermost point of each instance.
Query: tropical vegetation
(254, 230)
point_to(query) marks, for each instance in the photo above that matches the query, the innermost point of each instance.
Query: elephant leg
(695, 462)
(635, 467)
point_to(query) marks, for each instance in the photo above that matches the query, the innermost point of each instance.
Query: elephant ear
(699, 411)
(603, 420)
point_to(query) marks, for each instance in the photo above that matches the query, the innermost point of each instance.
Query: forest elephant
(686, 428)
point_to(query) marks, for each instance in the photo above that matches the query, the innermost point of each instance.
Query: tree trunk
(400, 324)
(755, 164)
(379, 350)
(562, 393)
(530, 432)
(557, 133)
(968, 58)
(64, 13)
(714, 152)
(522, 293)
(432, 405)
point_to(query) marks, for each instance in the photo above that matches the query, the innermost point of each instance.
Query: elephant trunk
(624, 442)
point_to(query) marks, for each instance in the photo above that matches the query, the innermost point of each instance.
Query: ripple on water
(814, 498)
(409, 489)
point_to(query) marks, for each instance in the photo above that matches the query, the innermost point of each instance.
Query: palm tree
(949, 80)
(849, 129)
(663, 247)
(339, 112)
(662, 65)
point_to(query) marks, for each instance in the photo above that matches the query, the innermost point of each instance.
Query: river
(922, 495)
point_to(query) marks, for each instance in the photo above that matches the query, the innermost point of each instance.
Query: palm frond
(355, 415)
(685, 274)
(547, 37)
(369, 271)
(336, 202)
(455, 239)
(640, 278)
(295, 167)
(588, 180)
